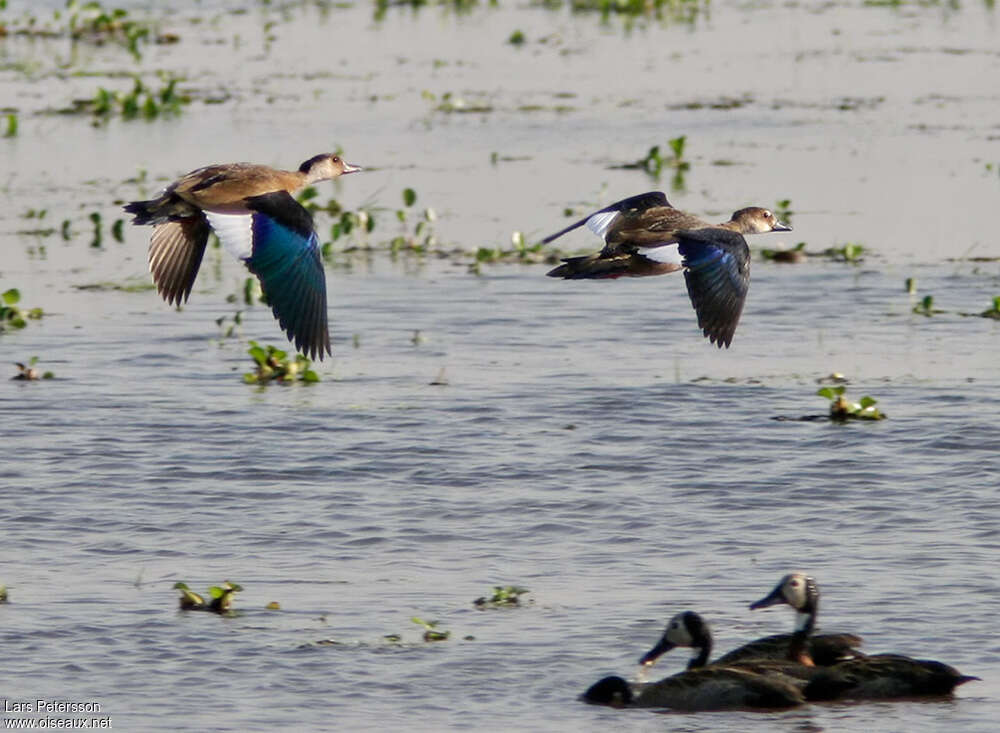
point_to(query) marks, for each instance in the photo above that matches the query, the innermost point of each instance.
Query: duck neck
(703, 647)
(805, 622)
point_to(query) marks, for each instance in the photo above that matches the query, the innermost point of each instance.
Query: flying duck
(253, 211)
(699, 687)
(644, 235)
(875, 677)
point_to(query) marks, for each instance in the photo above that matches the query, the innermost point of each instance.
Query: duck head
(685, 629)
(613, 691)
(325, 166)
(800, 592)
(757, 220)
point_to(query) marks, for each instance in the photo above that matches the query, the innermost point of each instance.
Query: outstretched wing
(717, 273)
(277, 242)
(175, 252)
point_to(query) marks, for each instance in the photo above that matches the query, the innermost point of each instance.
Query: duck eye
(335, 159)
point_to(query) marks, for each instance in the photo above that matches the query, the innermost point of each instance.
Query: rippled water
(588, 444)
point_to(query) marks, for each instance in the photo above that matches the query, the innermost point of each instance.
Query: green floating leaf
(12, 296)
(409, 197)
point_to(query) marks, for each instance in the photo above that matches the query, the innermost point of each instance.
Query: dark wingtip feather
(717, 275)
(287, 262)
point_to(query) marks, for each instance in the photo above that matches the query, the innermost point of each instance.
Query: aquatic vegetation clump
(926, 307)
(141, 102)
(676, 11)
(431, 632)
(783, 210)
(221, 595)
(795, 254)
(655, 161)
(28, 372)
(420, 238)
(994, 310)
(842, 409)
(89, 22)
(503, 596)
(457, 6)
(274, 365)
(852, 252)
(519, 251)
(13, 317)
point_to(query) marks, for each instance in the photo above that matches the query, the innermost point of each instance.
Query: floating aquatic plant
(230, 325)
(677, 11)
(28, 372)
(516, 38)
(450, 102)
(431, 632)
(12, 316)
(90, 22)
(926, 307)
(795, 254)
(783, 210)
(656, 161)
(221, 595)
(421, 238)
(10, 128)
(851, 252)
(4, 598)
(842, 408)
(140, 101)
(502, 596)
(994, 310)
(274, 365)
(457, 6)
(520, 251)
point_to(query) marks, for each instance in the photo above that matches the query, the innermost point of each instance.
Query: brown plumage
(252, 209)
(644, 235)
(634, 229)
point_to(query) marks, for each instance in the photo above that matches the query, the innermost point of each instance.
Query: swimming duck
(688, 629)
(700, 687)
(644, 235)
(253, 211)
(879, 676)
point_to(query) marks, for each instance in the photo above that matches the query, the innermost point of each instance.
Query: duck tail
(167, 207)
(588, 267)
(143, 211)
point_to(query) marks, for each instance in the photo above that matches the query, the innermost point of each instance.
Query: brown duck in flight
(644, 235)
(253, 211)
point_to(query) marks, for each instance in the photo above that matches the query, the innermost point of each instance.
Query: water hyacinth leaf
(409, 196)
(867, 402)
(258, 354)
(12, 296)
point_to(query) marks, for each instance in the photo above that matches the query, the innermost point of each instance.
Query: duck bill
(779, 227)
(653, 654)
(771, 599)
(348, 168)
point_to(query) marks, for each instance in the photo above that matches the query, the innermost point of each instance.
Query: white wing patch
(668, 254)
(235, 231)
(599, 222)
